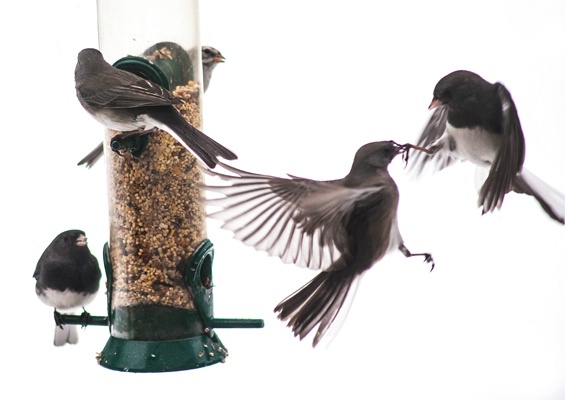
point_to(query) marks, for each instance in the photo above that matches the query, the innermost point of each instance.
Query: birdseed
(156, 223)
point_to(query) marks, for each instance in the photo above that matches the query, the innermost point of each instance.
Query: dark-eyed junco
(210, 58)
(125, 102)
(477, 121)
(341, 227)
(68, 278)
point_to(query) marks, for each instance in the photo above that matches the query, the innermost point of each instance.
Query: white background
(305, 84)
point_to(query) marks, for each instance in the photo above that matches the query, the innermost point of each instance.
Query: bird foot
(58, 319)
(84, 318)
(405, 151)
(429, 259)
(427, 256)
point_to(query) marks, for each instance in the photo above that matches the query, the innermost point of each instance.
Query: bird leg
(439, 144)
(427, 256)
(58, 319)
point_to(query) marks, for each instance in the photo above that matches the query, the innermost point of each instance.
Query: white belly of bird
(474, 145)
(66, 300)
(124, 125)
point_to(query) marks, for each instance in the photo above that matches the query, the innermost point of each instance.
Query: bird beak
(219, 59)
(81, 241)
(435, 103)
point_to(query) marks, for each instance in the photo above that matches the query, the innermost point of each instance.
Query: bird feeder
(158, 259)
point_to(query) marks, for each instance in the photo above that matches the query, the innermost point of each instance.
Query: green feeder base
(162, 356)
(201, 348)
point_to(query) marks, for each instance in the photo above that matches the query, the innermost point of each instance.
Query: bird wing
(433, 131)
(299, 220)
(47, 267)
(510, 156)
(46, 258)
(138, 93)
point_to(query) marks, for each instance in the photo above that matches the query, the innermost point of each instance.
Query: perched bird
(210, 58)
(125, 102)
(68, 277)
(477, 121)
(341, 227)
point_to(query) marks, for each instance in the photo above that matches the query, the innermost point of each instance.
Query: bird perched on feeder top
(125, 102)
(341, 227)
(478, 121)
(67, 277)
(210, 58)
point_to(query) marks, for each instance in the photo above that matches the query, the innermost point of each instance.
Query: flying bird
(477, 121)
(339, 227)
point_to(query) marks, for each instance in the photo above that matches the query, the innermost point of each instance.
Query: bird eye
(388, 151)
(446, 94)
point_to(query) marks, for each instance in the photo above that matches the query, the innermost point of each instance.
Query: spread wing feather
(299, 220)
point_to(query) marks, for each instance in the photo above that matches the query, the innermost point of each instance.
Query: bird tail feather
(65, 334)
(206, 148)
(318, 303)
(552, 201)
(91, 158)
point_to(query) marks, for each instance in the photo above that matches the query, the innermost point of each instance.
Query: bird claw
(58, 319)
(429, 259)
(84, 318)
(405, 150)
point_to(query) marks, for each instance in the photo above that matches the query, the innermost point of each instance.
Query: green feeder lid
(166, 64)
(174, 61)
(143, 68)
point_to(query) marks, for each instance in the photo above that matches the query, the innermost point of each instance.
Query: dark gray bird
(67, 278)
(341, 227)
(125, 102)
(210, 58)
(477, 121)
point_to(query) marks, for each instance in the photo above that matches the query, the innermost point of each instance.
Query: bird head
(87, 58)
(211, 56)
(380, 154)
(454, 87)
(71, 239)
